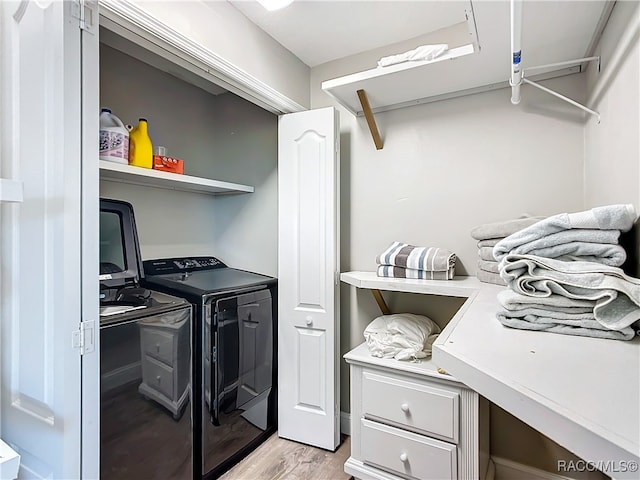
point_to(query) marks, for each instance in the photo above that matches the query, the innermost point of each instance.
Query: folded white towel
(617, 295)
(502, 229)
(586, 244)
(486, 253)
(423, 52)
(431, 259)
(596, 222)
(489, 242)
(488, 277)
(581, 327)
(489, 266)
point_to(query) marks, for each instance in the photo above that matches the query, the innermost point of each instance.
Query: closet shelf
(395, 86)
(541, 378)
(458, 287)
(117, 172)
(408, 83)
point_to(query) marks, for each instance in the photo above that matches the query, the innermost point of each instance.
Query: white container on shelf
(114, 138)
(9, 462)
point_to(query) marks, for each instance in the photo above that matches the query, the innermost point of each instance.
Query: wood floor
(279, 459)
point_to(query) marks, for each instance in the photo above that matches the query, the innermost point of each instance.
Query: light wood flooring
(280, 459)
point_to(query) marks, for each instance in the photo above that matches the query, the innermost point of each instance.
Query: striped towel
(391, 271)
(430, 259)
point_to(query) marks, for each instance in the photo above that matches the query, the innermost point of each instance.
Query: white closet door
(40, 237)
(308, 267)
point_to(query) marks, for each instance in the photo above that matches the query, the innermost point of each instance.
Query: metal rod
(516, 33)
(562, 97)
(560, 64)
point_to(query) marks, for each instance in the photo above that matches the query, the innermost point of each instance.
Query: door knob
(404, 457)
(405, 407)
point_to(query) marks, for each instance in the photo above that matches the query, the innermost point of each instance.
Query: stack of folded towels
(488, 236)
(563, 275)
(401, 260)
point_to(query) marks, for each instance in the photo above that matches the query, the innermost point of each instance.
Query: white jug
(114, 138)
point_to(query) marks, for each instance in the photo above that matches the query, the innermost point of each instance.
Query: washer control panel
(165, 266)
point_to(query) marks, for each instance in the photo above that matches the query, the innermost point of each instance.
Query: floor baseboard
(345, 423)
(510, 470)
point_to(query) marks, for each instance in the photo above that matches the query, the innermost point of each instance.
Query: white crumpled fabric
(403, 336)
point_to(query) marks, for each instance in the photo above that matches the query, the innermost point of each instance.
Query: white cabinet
(408, 420)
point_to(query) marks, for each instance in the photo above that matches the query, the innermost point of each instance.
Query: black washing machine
(145, 363)
(235, 352)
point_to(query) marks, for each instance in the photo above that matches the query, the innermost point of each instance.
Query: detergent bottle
(140, 147)
(114, 138)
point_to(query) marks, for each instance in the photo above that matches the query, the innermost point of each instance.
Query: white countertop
(582, 392)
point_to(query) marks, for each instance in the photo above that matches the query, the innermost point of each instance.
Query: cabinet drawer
(407, 453)
(158, 344)
(422, 408)
(158, 376)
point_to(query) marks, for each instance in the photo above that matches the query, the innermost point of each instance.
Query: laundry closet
(219, 136)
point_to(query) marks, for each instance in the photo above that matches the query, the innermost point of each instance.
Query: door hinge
(84, 338)
(86, 11)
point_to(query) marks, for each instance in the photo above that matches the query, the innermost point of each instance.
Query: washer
(234, 369)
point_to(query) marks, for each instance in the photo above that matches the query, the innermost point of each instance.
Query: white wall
(446, 167)
(222, 137)
(612, 147)
(222, 29)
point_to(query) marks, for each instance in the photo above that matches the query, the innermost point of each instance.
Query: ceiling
(321, 31)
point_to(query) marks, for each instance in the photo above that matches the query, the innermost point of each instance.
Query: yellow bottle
(140, 147)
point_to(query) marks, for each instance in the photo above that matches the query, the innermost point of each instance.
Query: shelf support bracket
(371, 121)
(381, 303)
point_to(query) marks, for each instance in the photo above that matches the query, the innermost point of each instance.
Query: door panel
(308, 378)
(40, 238)
(312, 366)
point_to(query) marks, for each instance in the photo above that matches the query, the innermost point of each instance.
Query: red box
(168, 164)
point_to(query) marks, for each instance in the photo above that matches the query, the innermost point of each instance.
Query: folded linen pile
(488, 235)
(401, 260)
(564, 277)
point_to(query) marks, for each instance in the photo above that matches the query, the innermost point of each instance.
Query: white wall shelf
(406, 83)
(458, 287)
(117, 172)
(581, 392)
(395, 86)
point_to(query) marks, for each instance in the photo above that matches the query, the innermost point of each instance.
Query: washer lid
(203, 282)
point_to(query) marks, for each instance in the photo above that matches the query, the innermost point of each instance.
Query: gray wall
(222, 137)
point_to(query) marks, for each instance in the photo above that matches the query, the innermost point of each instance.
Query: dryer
(234, 369)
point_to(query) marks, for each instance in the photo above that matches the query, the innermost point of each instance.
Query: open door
(308, 272)
(41, 248)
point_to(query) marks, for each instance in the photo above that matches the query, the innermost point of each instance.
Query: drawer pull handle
(405, 407)
(157, 348)
(403, 457)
